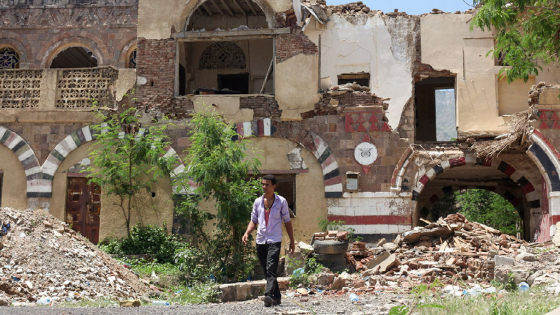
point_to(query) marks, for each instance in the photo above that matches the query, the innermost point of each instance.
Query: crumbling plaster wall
(296, 85)
(380, 46)
(448, 44)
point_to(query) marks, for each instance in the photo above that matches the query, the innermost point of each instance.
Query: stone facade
(405, 177)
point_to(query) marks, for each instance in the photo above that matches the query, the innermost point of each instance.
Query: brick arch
(309, 140)
(71, 143)
(59, 43)
(264, 5)
(517, 177)
(23, 49)
(26, 156)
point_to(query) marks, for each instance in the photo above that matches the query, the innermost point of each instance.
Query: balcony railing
(52, 89)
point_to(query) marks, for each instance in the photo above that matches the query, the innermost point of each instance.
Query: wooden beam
(251, 6)
(217, 7)
(207, 8)
(268, 73)
(199, 10)
(249, 34)
(240, 7)
(228, 8)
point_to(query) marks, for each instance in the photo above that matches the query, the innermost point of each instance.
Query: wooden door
(83, 206)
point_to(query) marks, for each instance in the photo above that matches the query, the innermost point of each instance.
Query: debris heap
(41, 257)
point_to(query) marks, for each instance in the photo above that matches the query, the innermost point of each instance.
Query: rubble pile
(41, 258)
(451, 250)
(348, 87)
(352, 8)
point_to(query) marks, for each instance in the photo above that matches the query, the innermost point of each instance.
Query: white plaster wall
(366, 45)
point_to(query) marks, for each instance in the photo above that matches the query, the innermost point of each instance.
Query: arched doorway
(513, 176)
(74, 57)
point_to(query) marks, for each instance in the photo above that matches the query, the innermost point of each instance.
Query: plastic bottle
(44, 301)
(523, 287)
(354, 298)
(160, 303)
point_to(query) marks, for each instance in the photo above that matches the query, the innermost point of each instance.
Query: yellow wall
(449, 44)
(150, 210)
(297, 93)
(512, 98)
(14, 183)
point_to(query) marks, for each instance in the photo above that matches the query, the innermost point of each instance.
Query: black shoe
(268, 301)
(276, 302)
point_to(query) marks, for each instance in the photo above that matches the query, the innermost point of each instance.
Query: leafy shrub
(302, 275)
(194, 264)
(151, 240)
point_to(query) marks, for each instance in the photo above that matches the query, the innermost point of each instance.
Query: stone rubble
(451, 250)
(41, 257)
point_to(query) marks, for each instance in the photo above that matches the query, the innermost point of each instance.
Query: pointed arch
(309, 140)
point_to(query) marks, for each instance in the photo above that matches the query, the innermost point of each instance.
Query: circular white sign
(365, 153)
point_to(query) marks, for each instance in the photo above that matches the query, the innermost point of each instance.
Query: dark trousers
(269, 254)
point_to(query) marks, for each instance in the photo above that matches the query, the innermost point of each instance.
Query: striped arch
(440, 194)
(546, 157)
(311, 141)
(528, 188)
(65, 147)
(25, 155)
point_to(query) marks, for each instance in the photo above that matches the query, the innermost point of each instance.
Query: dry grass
(519, 131)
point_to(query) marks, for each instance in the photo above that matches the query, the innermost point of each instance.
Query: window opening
(359, 78)
(229, 67)
(132, 59)
(435, 109)
(9, 58)
(446, 129)
(75, 57)
(181, 222)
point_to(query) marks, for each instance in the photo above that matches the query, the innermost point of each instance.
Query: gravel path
(368, 304)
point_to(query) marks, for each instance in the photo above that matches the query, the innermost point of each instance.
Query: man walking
(269, 210)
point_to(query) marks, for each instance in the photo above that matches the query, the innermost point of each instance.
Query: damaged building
(355, 110)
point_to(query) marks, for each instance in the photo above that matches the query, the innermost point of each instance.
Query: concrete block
(377, 260)
(504, 261)
(501, 274)
(338, 283)
(391, 262)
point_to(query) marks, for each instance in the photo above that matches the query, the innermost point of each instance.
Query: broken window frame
(354, 77)
(434, 87)
(232, 36)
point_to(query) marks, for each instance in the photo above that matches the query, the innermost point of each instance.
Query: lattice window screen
(223, 55)
(9, 58)
(20, 88)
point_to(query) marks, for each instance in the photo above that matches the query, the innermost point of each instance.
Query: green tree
(486, 207)
(527, 31)
(217, 163)
(127, 158)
